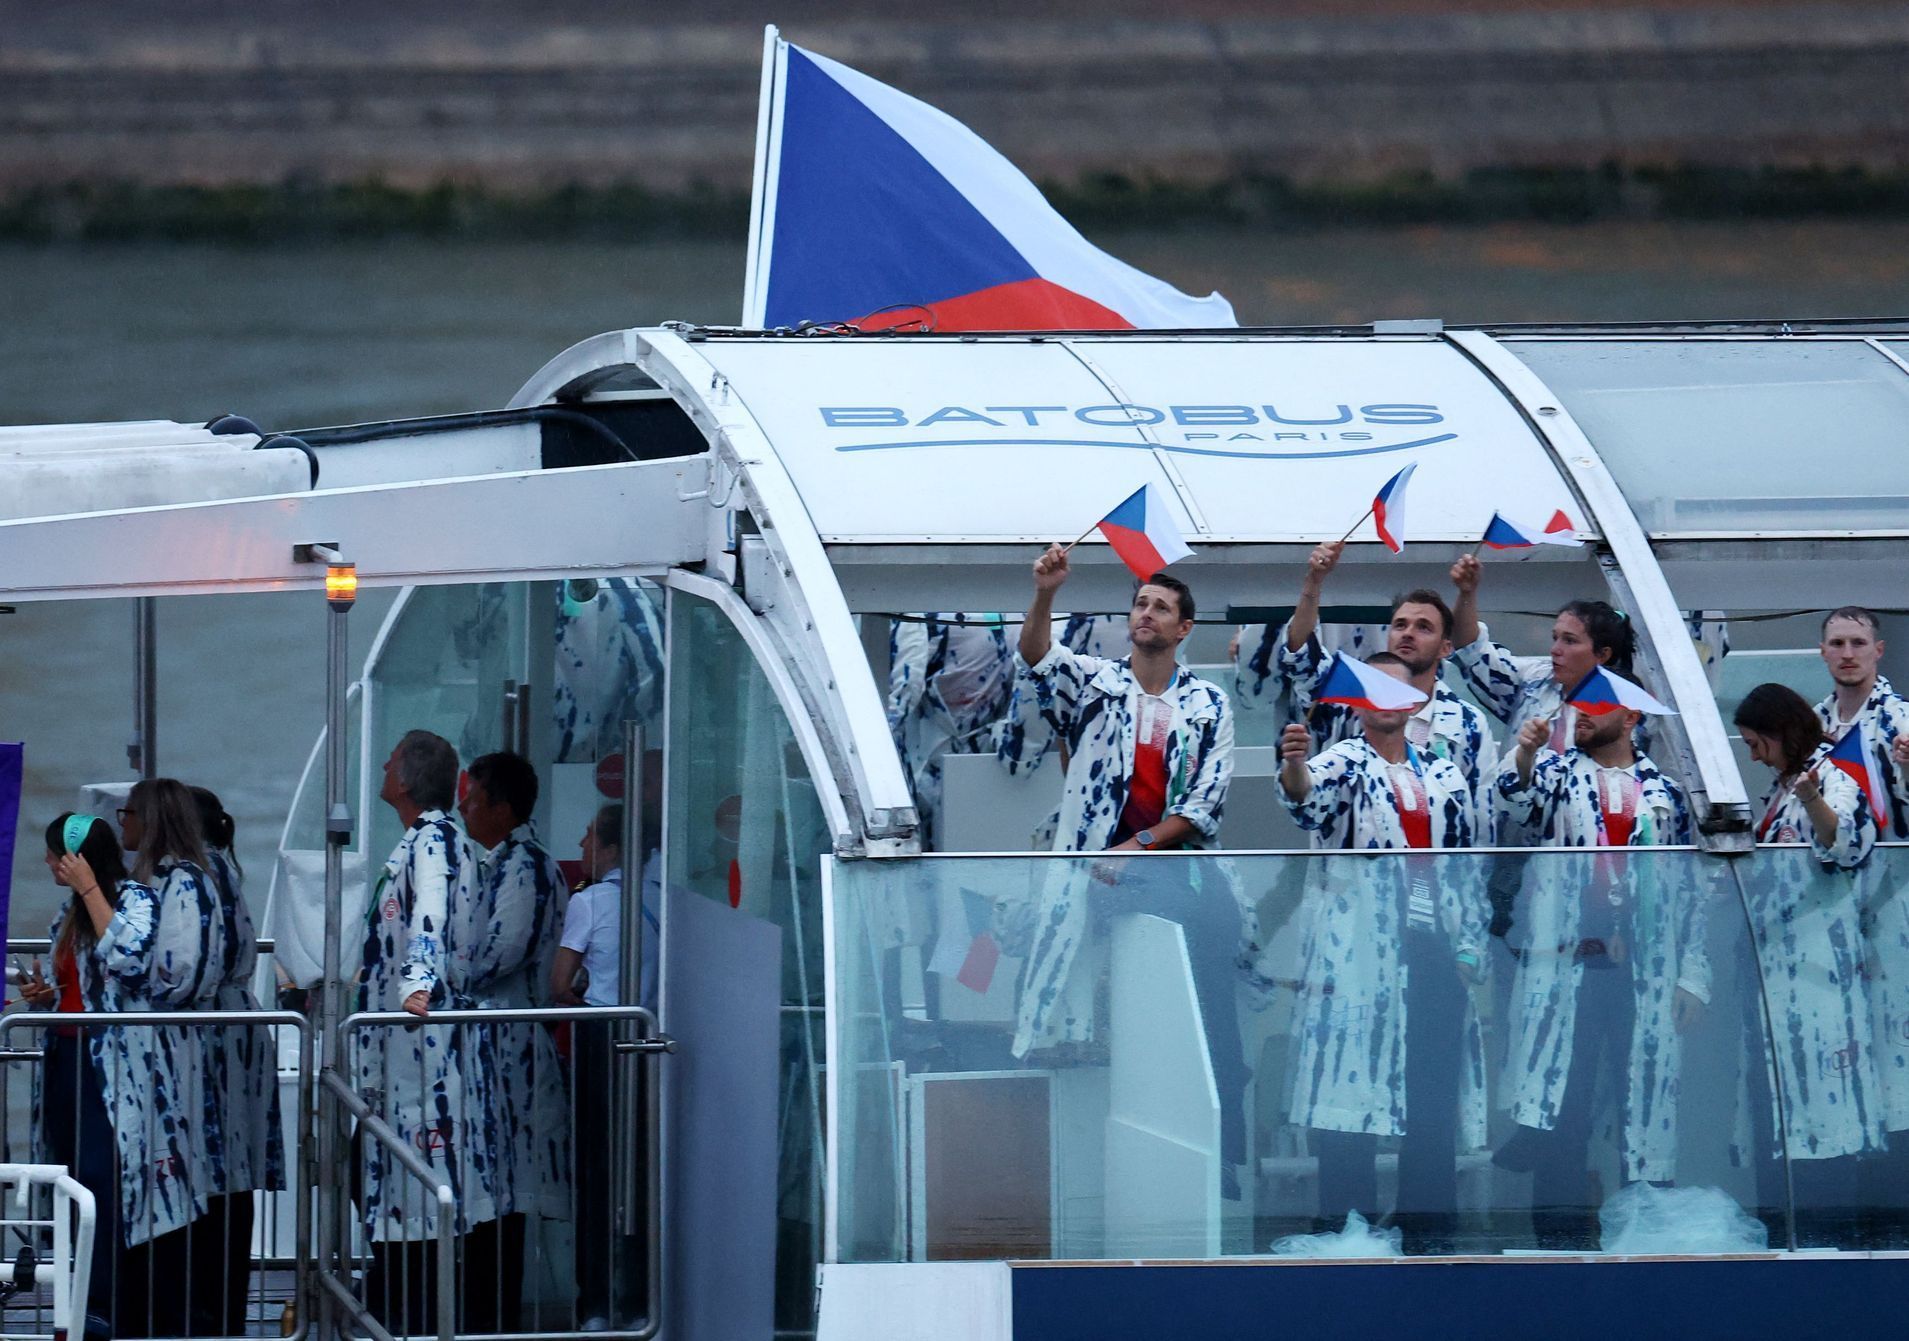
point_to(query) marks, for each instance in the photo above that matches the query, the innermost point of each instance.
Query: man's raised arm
(1306, 614)
(1037, 630)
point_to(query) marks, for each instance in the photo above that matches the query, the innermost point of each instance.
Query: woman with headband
(100, 1111)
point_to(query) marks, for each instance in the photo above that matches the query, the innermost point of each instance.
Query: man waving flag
(877, 210)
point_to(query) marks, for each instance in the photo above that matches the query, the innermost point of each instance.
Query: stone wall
(532, 99)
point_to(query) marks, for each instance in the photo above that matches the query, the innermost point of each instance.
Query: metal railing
(475, 1287)
(65, 1264)
(181, 1296)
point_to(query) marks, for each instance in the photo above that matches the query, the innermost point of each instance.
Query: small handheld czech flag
(1357, 685)
(1505, 534)
(1851, 755)
(1142, 533)
(1604, 691)
(1388, 509)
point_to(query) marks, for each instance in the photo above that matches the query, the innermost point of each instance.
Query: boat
(848, 1144)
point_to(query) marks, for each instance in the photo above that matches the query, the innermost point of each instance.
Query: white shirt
(593, 927)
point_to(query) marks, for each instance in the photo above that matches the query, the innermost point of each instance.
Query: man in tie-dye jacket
(1149, 757)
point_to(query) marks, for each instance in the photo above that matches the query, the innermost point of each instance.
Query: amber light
(341, 584)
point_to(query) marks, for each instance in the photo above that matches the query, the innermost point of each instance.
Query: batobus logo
(1253, 432)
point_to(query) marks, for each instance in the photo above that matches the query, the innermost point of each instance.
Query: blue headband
(77, 827)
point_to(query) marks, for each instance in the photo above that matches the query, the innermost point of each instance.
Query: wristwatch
(1144, 838)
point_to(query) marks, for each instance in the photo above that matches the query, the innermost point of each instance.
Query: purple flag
(11, 771)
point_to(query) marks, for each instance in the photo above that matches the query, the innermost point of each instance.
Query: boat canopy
(826, 475)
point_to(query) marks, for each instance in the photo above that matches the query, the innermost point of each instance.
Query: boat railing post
(142, 751)
(624, 1075)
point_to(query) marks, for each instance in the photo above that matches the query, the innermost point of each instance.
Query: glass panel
(1833, 951)
(442, 669)
(1204, 1056)
(744, 829)
(1710, 436)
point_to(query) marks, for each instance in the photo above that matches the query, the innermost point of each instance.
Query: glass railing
(1195, 1056)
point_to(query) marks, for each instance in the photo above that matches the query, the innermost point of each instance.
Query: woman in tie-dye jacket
(1806, 927)
(118, 1106)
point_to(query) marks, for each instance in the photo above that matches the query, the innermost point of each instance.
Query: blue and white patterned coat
(1884, 717)
(1807, 929)
(1090, 706)
(241, 1079)
(1024, 737)
(1658, 912)
(429, 1082)
(1459, 731)
(188, 966)
(609, 667)
(514, 938)
(949, 684)
(149, 1079)
(1348, 1069)
(1262, 680)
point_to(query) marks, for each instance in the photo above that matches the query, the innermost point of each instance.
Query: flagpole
(1356, 525)
(1083, 535)
(761, 208)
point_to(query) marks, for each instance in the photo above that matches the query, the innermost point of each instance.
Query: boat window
(1208, 1056)
(1720, 436)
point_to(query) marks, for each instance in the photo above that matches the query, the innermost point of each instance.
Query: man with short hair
(1149, 751)
(511, 932)
(1852, 650)
(1419, 633)
(432, 1091)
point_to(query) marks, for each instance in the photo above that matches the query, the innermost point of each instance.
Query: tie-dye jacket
(514, 931)
(1806, 926)
(948, 686)
(1659, 913)
(1348, 1068)
(1884, 717)
(1090, 706)
(241, 1080)
(1459, 733)
(429, 1082)
(149, 1080)
(1262, 680)
(609, 667)
(188, 965)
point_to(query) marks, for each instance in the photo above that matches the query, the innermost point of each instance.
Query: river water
(299, 336)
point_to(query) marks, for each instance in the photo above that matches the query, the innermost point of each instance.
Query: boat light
(341, 585)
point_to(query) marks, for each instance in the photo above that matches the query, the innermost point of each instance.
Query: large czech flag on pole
(873, 208)
(1142, 533)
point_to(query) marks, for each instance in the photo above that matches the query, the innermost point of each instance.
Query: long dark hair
(169, 826)
(1608, 630)
(1779, 712)
(101, 851)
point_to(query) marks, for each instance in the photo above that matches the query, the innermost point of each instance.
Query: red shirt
(66, 973)
(1147, 788)
(1413, 803)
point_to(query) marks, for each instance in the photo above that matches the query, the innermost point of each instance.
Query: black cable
(452, 423)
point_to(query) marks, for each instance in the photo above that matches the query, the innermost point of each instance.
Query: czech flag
(1142, 533)
(877, 210)
(1603, 691)
(1852, 756)
(1388, 509)
(1357, 685)
(1506, 534)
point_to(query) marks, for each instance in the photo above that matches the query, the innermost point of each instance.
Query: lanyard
(1411, 800)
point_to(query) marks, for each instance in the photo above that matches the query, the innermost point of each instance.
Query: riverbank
(212, 120)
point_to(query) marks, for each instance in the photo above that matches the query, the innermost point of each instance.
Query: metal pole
(142, 751)
(625, 1074)
(332, 1142)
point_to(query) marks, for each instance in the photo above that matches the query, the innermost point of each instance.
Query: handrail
(414, 1163)
(29, 945)
(649, 1045)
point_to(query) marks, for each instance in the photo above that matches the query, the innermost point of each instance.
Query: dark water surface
(304, 336)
